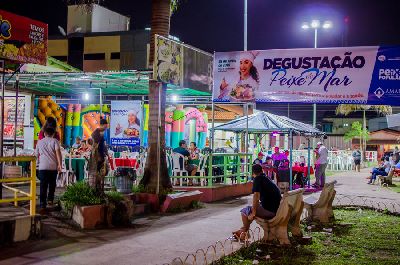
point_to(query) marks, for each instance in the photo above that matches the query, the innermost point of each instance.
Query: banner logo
(379, 92)
(5, 29)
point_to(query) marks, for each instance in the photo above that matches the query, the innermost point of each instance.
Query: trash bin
(124, 178)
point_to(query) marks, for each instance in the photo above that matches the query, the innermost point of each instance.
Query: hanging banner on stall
(9, 119)
(22, 39)
(182, 65)
(352, 75)
(126, 122)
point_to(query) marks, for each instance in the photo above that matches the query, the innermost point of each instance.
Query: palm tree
(346, 109)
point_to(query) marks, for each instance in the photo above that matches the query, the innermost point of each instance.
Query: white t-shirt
(46, 153)
(323, 155)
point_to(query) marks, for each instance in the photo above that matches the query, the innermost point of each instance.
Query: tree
(357, 131)
(346, 109)
(160, 24)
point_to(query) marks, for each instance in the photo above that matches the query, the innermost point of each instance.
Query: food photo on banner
(360, 75)
(126, 123)
(22, 39)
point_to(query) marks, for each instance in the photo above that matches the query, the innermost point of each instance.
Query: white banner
(126, 122)
(332, 75)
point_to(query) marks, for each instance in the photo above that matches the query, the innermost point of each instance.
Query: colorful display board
(182, 65)
(22, 39)
(126, 123)
(190, 124)
(72, 119)
(352, 75)
(9, 118)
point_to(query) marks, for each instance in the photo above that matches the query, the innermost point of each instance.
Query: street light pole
(245, 25)
(315, 105)
(316, 24)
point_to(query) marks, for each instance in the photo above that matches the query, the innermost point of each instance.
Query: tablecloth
(78, 166)
(125, 162)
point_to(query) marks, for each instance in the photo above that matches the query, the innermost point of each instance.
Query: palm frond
(174, 5)
(346, 109)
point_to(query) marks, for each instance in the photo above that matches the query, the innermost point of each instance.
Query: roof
(267, 122)
(222, 115)
(112, 83)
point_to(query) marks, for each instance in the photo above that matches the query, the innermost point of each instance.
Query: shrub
(80, 194)
(114, 196)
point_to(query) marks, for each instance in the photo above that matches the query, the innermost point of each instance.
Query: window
(115, 56)
(94, 56)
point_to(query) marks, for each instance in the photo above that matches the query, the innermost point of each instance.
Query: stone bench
(321, 209)
(388, 180)
(288, 215)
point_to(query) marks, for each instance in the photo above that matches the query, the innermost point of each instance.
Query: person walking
(320, 165)
(49, 160)
(357, 159)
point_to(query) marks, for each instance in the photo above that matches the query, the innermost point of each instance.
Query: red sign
(22, 39)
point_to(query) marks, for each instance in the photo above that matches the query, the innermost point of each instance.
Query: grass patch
(358, 237)
(395, 187)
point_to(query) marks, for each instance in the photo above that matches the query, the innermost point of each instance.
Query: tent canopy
(262, 122)
(112, 83)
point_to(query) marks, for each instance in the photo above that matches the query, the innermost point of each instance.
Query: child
(49, 160)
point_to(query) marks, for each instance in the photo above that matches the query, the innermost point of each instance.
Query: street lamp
(316, 24)
(86, 96)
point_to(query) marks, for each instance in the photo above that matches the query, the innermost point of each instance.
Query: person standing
(320, 165)
(49, 160)
(357, 159)
(98, 162)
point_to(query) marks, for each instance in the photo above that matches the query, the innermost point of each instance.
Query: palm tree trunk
(160, 23)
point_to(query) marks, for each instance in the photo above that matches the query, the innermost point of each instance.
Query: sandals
(241, 235)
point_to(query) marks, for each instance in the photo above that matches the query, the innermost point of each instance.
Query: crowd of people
(279, 161)
(387, 164)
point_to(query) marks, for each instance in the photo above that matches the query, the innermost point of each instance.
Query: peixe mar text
(313, 73)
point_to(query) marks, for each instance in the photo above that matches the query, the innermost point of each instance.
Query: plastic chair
(177, 167)
(202, 168)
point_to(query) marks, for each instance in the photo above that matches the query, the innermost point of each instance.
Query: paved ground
(159, 239)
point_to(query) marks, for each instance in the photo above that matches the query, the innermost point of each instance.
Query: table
(304, 170)
(125, 162)
(78, 166)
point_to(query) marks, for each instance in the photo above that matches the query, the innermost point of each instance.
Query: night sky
(217, 25)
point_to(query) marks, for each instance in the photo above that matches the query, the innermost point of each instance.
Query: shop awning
(112, 83)
(265, 122)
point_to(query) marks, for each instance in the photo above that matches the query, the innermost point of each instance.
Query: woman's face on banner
(245, 66)
(131, 118)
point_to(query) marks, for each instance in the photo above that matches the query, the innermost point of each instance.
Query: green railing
(234, 168)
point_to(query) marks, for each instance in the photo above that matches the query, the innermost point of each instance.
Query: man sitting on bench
(266, 199)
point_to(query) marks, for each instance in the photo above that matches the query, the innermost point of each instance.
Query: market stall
(268, 123)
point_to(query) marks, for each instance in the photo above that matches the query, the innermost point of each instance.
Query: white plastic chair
(177, 167)
(71, 174)
(202, 168)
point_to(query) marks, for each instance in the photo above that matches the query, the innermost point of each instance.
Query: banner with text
(22, 39)
(126, 121)
(348, 75)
